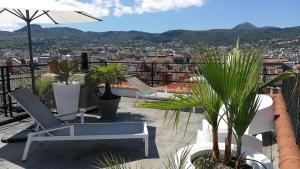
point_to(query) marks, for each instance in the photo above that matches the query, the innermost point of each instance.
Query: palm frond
(174, 105)
(209, 100)
(179, 162)
(245, 112)
(112, 73)
(201, 95)
(111, 161)
(284, 75)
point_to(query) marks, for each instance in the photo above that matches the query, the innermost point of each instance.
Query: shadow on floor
(75, 154)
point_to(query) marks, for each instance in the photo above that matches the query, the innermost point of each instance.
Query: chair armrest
(81, 115)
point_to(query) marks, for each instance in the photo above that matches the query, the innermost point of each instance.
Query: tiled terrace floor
(83, 154)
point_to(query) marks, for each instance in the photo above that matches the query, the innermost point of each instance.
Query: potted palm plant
(233, 80)
(108, 75)
(66, 91)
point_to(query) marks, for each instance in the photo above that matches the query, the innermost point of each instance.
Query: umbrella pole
(31, 64)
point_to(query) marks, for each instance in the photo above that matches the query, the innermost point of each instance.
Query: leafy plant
(233, 77)
(111, 161)
(44, 88)
(65, 68)
(108, 74)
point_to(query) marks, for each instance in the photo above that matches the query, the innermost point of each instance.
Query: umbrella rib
(2, 10)
(15, 14)
(21, 14)
(46, 12)
(84, 14)
(31, 18)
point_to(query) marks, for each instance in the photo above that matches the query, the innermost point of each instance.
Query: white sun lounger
(146, 91)
(51, 129)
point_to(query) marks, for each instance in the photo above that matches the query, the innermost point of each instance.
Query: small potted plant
(108, 75)
(66, 91)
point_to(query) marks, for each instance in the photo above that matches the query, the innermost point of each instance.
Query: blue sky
(213, 14)
(163, 15)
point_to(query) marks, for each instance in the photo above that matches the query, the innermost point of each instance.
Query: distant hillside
(69, 37)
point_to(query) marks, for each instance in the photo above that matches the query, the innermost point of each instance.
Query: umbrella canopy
(40, 11)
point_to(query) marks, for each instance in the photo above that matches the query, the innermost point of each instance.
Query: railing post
(8, 90)
(152, 74)
(3, 91)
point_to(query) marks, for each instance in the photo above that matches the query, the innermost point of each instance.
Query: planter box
(66, 98)
(87, 99)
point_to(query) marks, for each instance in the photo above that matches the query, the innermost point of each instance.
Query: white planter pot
(198, 149)
(66, 98)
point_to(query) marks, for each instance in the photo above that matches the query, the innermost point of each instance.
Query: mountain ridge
(68, 37)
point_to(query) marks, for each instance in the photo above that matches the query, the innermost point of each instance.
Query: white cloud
(148, 6)
(102, 8)
(97, 8)
(10, 26)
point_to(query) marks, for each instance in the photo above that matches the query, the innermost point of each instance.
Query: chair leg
(146, 146)
(82, 117)
(27, 146)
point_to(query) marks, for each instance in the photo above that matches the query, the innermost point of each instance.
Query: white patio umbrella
(40, 12)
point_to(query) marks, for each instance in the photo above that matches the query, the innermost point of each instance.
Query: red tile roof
(275, 60)
(180, 88)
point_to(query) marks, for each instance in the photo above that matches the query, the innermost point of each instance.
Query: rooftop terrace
(83, 154)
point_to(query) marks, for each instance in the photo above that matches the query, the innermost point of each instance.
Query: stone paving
(84, 154)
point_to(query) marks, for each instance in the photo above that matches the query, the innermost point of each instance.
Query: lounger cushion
(103, 129)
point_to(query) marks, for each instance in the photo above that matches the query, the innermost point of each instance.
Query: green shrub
(44, 88)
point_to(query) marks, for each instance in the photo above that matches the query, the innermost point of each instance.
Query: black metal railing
(157, 73)
(12, 77)
(152, 73)
(291, 94)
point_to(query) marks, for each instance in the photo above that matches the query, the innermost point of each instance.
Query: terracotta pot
(52, 66)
